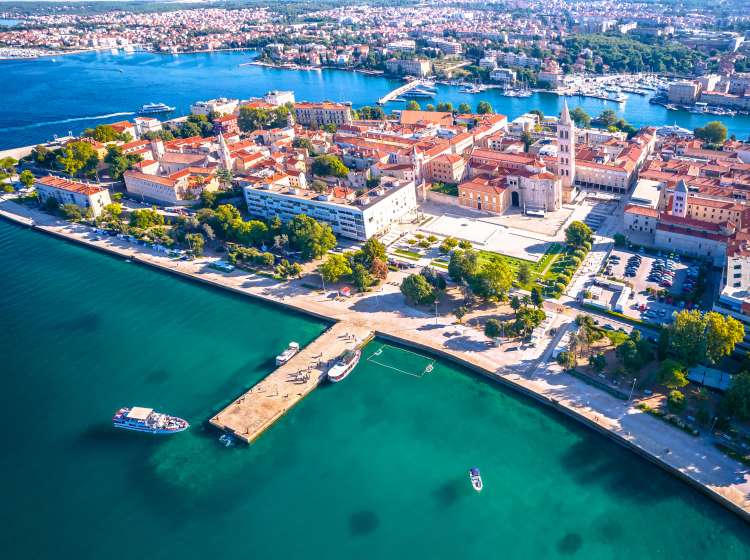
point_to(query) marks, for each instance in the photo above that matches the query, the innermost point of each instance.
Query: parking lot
(650, 275)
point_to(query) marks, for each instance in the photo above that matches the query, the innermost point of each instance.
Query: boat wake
(63, 121)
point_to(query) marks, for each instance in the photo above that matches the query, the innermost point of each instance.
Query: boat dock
(401, 90)
(252, 413)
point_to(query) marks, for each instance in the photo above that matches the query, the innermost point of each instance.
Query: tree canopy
(335, 267)
(252, 118)
(78, 158)
(715, 132)
(696, 337)
(329, 165)
(418, 290)
(312, 238)
(578, 233)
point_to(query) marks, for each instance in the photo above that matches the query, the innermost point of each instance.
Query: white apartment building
(734, 298)
(146, 124)
(349, 216)
(66, 191)
(220, 106)
(279, 98)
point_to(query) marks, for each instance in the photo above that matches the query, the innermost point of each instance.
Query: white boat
(476, 479)
(287, 354)
(344, 365)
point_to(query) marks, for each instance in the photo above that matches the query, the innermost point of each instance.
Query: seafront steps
(255, 411)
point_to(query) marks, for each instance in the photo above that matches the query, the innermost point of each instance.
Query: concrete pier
(400, 90)
(252, 413)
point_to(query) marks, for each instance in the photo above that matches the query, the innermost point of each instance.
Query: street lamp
(630, 398)
(436, 312)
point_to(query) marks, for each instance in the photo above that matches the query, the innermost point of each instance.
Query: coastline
(702, 465)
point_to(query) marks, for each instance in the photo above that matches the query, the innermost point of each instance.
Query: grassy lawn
(546, 269)
(445, 188)
(411, 255)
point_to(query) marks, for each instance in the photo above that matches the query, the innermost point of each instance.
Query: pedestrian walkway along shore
(528, 370)
(251, 414)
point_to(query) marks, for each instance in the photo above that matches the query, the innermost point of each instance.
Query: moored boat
(287, 354)
(151, 108)
(141, 419)
(344, 365)
(476, 479)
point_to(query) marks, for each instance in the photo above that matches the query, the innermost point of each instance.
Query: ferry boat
(417, 92)
(344, 365)
(150, 108)
(476, 479)
(141, 419)
(287, 354)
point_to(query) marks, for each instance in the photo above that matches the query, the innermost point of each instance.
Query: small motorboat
(287, 354)
(476, 479)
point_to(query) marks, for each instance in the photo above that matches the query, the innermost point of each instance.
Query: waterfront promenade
(255, 411)
(527, 369)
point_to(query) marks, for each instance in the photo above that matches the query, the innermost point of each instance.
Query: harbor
(255, 411)
(695, 461)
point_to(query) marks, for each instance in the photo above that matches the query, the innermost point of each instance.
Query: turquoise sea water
(373, 467)
(55, 95)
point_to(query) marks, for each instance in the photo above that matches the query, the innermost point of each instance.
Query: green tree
(72, 212)
(77, 157)
(413, 106)
(371, 113)
(723, 333)
(736, 401)
(302, 142)
(111, 212)
(523, 274)
(537, 299)
(27, 178)
(598, 361)
(445, 107)
(484, 108)
(672, 374)
(696, 337)
(252, 118)
(527, 319)
(492, 328)
(361, 277)
(578, 233)
(196, 242)
(373, 249)
(493, 280)
(566, 359)
(527, 139)
(460, 312)
(464, 109)
(580, 117)
(309, 236)
(714, 132)
(435, 279)
(329, 165)
(119, 162)
(105, 133)
(418, 290)
(463, 265)
(145, 218)
(607, 118)
(335, 267)
(676, 401)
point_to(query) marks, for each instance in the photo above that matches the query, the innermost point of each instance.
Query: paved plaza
(489, 236)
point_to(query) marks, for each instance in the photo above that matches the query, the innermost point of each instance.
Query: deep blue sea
(57, 95)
